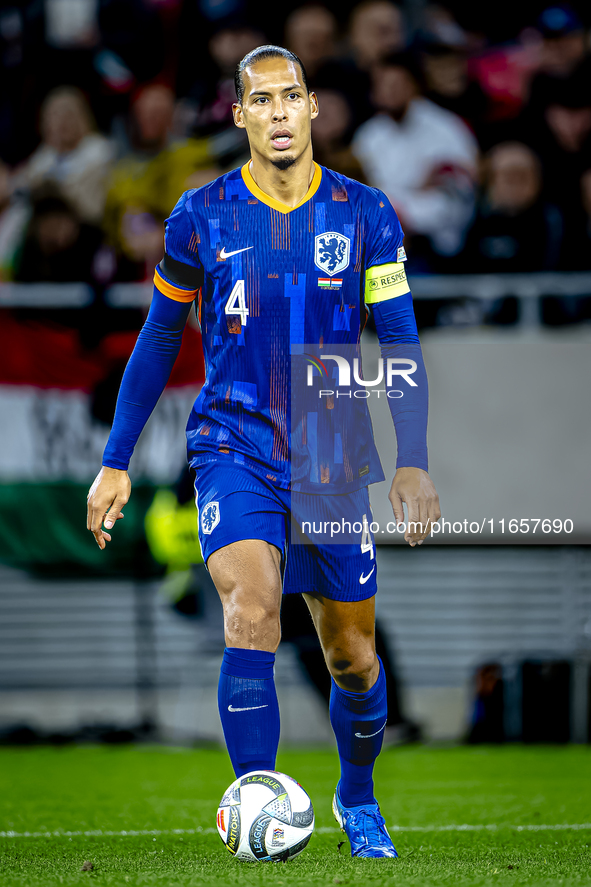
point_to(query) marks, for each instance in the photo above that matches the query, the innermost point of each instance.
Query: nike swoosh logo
(225, 255)
(250, 708)
(369, 735)
(363, 579)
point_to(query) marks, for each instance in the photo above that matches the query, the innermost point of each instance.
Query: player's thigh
(242, 534)
(249, 570)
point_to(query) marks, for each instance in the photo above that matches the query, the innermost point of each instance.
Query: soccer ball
(264, 816)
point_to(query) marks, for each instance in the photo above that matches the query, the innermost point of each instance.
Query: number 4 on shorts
(366, 541)
(236, 304)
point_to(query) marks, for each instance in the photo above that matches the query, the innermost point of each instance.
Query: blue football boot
(366, 829)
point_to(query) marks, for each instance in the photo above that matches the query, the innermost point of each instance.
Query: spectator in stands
(576, 256)
(444, 58)
(72, 157)
(199, 20)
(331, 135)
(147, 182)
(213, 94)
(311, 32)
(99, 44)
(376, 29)
(14, 216)
(515, 228)
(18, 136)
(205, 84)
(561, 135)
(576, 247)
(422, 156)
(58, 247)
(564, 51)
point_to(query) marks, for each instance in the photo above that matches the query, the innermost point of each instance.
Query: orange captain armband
(179, 294)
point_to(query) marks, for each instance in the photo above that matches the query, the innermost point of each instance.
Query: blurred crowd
(475, 122)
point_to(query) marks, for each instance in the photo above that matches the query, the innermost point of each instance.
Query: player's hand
(415, 487)
(107, 496)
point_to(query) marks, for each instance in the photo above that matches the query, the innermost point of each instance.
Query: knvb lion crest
(210, 517)
(332, 251)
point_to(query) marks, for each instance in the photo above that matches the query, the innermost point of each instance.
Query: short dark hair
(269, 51)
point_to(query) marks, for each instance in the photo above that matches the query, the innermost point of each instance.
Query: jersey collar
(276, 204)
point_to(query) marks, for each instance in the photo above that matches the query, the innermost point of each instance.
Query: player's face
(276, 111)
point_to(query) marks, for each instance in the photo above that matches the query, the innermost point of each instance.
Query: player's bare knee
(354, 672)
(251, 625)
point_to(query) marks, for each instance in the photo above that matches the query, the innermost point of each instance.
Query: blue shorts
(235, 503)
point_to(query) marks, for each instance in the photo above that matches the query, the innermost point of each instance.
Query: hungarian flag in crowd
(58, 387)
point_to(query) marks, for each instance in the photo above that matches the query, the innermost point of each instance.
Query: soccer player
(277, 254)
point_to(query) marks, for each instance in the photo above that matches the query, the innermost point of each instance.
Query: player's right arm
(176, 283)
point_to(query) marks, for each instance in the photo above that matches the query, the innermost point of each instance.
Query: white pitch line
(573, 826)
(324, 830)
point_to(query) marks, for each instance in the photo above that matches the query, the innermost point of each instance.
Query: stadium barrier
(527, 288)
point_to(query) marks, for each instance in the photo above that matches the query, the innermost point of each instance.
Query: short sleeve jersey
(269, 281)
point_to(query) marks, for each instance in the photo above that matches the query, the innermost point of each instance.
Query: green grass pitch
(146, 816)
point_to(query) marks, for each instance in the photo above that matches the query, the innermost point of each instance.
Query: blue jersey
(270, 280)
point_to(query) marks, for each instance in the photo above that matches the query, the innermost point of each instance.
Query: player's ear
(313, 105)
(238, 117)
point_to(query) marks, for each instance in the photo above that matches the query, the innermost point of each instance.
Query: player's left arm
(388, 294)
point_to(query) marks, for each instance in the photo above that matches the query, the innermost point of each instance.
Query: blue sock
(358, 721)
(248, 709)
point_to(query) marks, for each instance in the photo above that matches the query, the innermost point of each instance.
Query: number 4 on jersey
(236, 304)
